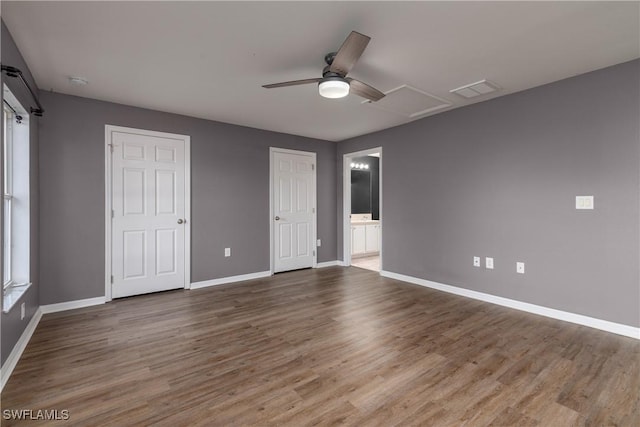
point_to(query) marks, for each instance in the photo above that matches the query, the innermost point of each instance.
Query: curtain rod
(15, 72)
(15, 113)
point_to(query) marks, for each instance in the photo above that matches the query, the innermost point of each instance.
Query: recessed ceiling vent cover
(409, 102)
(472, 90)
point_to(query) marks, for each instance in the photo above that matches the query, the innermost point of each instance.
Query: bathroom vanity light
(359, 166)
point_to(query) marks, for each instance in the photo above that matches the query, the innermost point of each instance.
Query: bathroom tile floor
(368, 263)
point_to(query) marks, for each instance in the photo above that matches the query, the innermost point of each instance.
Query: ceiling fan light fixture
(333, 87)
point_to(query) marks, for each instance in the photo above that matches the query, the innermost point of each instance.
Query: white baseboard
(70, 305)
(341, 263)
(18, 349)
(327, 264)
(230, 279)
(604, 325)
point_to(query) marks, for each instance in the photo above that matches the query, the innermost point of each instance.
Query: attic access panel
(409, 102)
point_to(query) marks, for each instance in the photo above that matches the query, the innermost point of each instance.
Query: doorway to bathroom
(362, 203)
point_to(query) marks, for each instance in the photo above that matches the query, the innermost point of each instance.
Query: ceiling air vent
(472, 90)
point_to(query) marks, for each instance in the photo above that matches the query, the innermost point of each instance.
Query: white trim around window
(16, 198)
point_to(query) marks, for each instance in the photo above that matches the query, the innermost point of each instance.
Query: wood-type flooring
(331, 346)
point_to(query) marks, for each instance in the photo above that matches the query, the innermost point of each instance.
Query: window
(7, 116)
(16, 215)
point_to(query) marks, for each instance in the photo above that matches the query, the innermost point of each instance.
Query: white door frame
(346, 203)
(272, 151)
(108, 130)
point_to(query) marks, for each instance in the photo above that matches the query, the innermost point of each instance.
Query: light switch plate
(319, 243)
(488, 263)
(584, 202)
(520, 267)
(476, 261)
(227, 252)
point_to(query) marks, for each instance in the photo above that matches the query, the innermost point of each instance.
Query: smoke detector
(78, 81)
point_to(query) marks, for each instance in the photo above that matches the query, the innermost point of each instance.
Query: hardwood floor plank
(332, 346)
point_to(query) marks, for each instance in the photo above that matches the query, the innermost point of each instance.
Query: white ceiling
(209, 59)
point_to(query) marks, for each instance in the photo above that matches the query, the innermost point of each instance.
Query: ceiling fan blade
(364, 90)
(292, 83)
(349, 53)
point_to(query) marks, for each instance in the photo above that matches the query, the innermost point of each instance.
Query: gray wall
(12, 327)
(230, 193)
(499, 179)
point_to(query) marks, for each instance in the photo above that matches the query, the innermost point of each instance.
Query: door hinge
(313, 210)
(111, 147)
(314, 253)
(313, 166)
(113, 213)
(112, 279)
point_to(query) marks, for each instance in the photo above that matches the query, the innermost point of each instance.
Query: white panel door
(148, 214)
(293, 204)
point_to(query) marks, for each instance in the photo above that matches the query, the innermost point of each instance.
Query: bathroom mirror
(360, 191)
(365, 186)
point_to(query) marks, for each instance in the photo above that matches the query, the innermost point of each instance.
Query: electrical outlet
(319, 243)
(476, 261)
(227, 252)
(520, 267)
(488, 263)
(22, 311)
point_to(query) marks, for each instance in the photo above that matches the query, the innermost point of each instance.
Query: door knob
(180, 221)
(277, 218)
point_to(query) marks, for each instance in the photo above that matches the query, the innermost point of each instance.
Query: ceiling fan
(334, 82)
